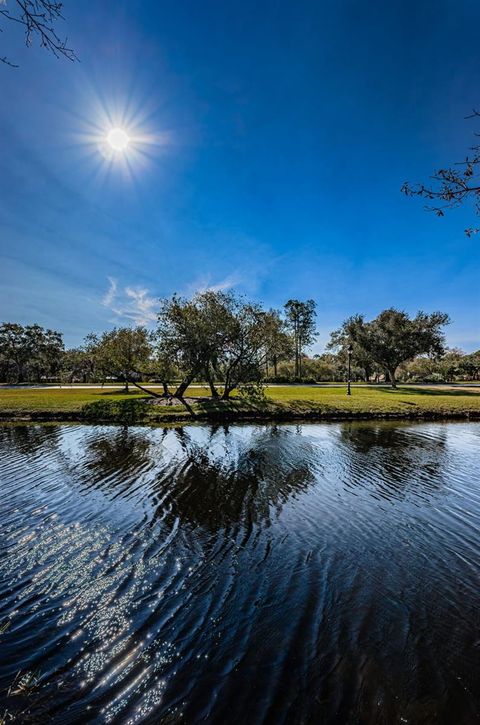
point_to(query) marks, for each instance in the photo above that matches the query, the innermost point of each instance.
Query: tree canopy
(393, 337)
(343, 338)
(29, 352)
(218, 335)
(122, 353)
(227, 342)
(300, 318)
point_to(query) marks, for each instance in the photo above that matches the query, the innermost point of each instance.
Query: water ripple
(251, 574)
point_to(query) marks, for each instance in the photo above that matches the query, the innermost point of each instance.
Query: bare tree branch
(38, 18)
(451, 186)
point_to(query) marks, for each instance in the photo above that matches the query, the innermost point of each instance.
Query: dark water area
(320, 573)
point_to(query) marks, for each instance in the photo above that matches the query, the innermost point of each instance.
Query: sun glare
(118, 139)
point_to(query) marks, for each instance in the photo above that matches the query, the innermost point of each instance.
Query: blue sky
(270, 143)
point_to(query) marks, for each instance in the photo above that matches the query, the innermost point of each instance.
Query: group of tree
(216, 337)
(391, 339)
(29, 353)
(231, 343)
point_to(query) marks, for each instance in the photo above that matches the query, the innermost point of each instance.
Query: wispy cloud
(110, 294)
(134, 304)
(206, 284)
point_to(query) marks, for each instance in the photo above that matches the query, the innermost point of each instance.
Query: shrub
(252, 392)
(126, 412)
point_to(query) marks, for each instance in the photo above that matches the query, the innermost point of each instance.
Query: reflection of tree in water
(211, 476)
(226, 479)
(29, 439)
(117, 455)
(395, 457)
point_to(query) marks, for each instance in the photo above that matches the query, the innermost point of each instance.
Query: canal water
(317, 573)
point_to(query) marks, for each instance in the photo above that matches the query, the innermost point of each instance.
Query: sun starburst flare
(118, 138)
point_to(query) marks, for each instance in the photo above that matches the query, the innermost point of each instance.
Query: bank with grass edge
(286, 403)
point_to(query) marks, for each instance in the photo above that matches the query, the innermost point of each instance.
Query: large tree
(342, 339)
(14, 353)
(277, 341)
(29, 352)
(470, 365)
(163, 370)
(393, 337)
(241, 359)
(75, 366)
(45, 348)
(214, 335)
(300, 317)
(124, 353)
(450, 364)
(189, 333)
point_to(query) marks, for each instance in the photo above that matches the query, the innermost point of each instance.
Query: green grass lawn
(377, 400)
(281, 399)
(45, 400)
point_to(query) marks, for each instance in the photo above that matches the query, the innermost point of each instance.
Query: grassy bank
(281, 403)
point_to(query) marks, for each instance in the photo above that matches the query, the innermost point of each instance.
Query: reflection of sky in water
(143, 570)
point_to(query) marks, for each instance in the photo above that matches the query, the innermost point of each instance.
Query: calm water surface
(255, 574)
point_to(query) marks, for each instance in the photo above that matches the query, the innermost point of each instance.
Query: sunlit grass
(380, 400)
(281, 399)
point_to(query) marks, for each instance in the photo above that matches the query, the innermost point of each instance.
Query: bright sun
(118, 139)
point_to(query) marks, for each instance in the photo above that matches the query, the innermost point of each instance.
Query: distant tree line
(230, 343)
(29, 353)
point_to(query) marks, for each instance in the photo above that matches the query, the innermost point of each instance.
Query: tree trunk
(188, 407)
(180, 391)
(275, 365)
(300, 356)
(126, 386)
(229, 375)
(213, 390)
(165, 389)
(227, 387)
(296, 350)
(145, 390)
(391, 375)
